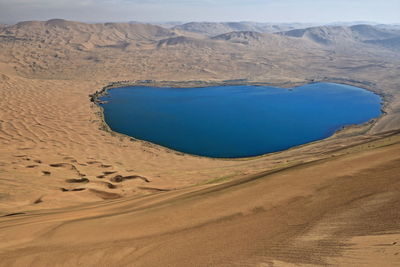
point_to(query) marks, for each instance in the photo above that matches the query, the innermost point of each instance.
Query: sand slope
(338, 211)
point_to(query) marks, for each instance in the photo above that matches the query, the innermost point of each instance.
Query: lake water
(237, 121)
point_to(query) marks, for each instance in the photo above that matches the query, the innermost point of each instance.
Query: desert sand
(73, 193)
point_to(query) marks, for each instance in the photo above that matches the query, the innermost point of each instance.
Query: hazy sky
(385, 11)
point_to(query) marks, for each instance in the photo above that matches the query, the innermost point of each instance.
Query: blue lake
(237, 121)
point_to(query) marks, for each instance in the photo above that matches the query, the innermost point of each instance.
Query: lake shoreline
(345, 131)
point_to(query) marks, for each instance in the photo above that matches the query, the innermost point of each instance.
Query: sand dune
(336, 211)
(73, 193)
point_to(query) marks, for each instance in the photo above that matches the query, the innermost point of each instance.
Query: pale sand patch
(254, 220)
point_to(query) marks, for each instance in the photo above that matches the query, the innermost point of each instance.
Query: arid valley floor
(73, 193)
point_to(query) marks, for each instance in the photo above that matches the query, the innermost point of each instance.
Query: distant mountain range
(216, 28)
(367, 34)
(335, 34)
(83, 36)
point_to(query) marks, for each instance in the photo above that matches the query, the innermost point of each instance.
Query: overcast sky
(384, 11)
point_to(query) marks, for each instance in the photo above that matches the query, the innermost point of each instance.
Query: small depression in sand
(237, 121)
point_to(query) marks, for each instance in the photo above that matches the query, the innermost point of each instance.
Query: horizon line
(203, 21)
